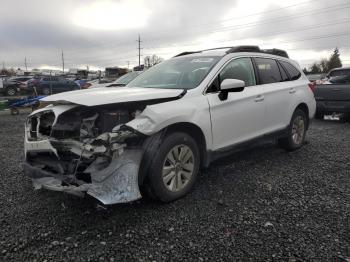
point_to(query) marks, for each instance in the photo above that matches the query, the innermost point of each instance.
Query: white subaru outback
(156, 133)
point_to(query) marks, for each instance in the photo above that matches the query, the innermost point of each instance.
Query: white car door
(241, 116)
(278, 92)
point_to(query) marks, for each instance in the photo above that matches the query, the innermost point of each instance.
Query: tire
(14, 111)
(296, 132)
(45, 91)
(178, 178)
(319, 115)
(345, 117)
(11, 91)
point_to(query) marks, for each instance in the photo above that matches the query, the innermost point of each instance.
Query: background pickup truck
(333, 98)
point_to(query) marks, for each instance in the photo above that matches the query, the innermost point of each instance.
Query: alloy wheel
(11, 92)
(298, 130)
(178, 168)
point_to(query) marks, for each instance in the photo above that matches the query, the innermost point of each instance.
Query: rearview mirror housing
(230, 85)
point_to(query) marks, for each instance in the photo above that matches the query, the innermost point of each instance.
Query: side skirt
(229, 150)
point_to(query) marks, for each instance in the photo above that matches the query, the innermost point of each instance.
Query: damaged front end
(79, 149)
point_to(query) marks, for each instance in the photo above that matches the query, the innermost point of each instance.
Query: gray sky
(102, 33)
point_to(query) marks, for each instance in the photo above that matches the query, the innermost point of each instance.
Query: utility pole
(128, 63)
(3, 65)
(25, 63)
(139, 48)
(62, 62)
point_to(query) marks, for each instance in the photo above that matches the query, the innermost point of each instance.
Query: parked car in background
(11, 85)
(1, 83)
(315, 77)
(125, 79)
(342, 71)
(344, 79)
(333, 97)
(47, 85)
(170, 121)
(121, 81)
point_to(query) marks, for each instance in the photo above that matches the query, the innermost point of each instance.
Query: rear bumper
(333, 106)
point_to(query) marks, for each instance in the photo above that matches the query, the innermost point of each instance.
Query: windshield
(177, 73)
(125, 79)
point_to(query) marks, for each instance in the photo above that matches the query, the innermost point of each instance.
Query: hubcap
(298, 130)
(11, 91)
(178, 168)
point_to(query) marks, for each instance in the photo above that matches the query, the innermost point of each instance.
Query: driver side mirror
(230, 85)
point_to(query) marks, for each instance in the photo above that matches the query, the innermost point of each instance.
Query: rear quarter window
(268, 70)
(293, 72)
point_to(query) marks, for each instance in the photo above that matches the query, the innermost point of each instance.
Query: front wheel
(46, 91)
(174, 167)
(296, 132)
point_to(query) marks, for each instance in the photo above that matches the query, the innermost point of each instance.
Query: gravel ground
(260, 205)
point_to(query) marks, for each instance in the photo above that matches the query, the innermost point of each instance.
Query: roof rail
(187, 53)
(275, 51)
(253, 48)
(217, 48)
(244, 48)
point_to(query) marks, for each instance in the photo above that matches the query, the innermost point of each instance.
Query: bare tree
(152, 60)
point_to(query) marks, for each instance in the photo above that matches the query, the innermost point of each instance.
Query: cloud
(103, 33)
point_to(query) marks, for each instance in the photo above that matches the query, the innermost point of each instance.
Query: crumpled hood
(111, 95)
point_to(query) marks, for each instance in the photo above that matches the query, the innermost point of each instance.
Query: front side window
(268, 70)
(178, 73)
(240, 68)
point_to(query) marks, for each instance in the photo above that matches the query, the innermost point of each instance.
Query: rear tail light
(312, 86)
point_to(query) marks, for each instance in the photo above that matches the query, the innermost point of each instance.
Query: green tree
(315, 68)
(334, 60)
(324, 65)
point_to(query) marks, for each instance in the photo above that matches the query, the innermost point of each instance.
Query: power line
(225, 28)
(280, 19)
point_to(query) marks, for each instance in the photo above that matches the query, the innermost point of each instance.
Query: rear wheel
(319, 115)
(345, 117)
(174, 168)
(296, 131)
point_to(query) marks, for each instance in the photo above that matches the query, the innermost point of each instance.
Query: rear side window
(292, 71)
(284, 75)
(268, 70)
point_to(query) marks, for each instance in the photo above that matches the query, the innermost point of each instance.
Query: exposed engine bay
(80, 149)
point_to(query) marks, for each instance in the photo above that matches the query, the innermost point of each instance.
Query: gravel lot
(260, 205)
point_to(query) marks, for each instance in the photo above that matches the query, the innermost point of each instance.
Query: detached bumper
(117, 183)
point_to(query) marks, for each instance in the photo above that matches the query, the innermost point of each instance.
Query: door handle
(335, 89)
(259, 98)
(292, 91)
